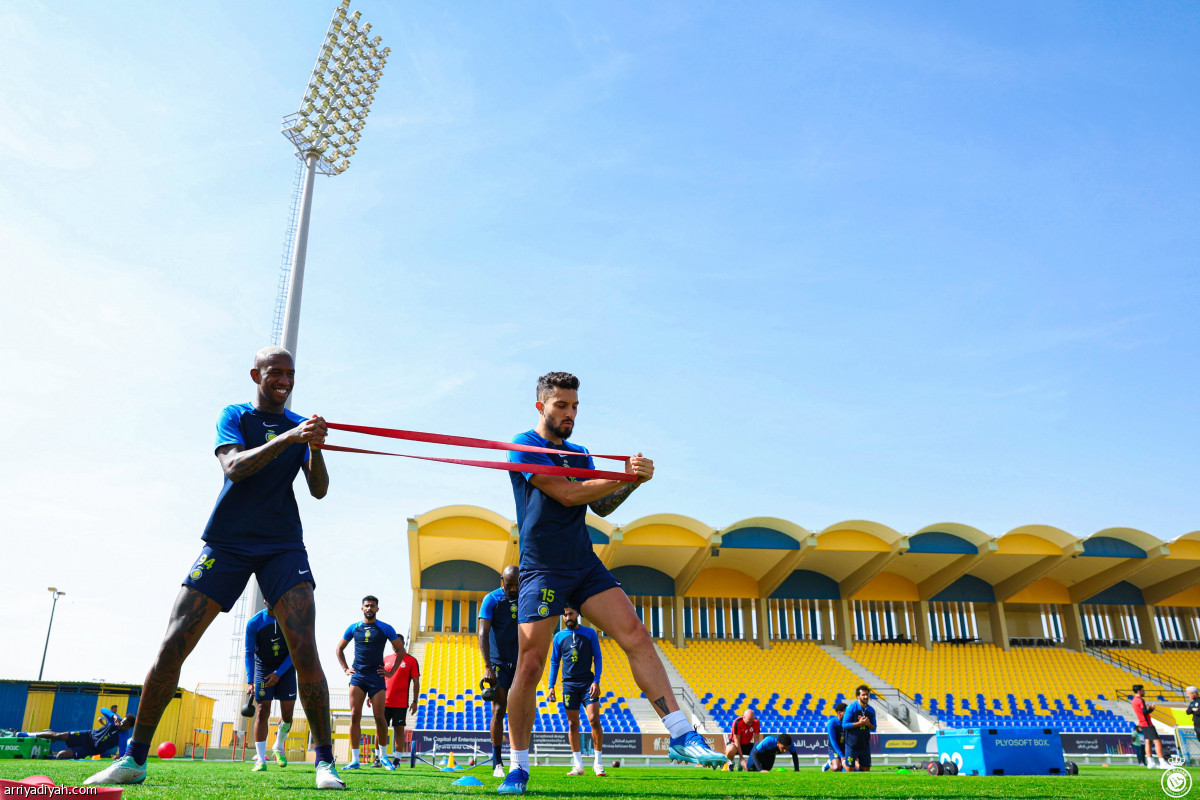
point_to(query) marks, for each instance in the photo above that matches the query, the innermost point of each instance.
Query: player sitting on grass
(857, 723)
(762, 757)
(368, 677)
(85, 744)
(270, 676)
(837, 741)
(559, 566)
(742, 737)
(577, 647)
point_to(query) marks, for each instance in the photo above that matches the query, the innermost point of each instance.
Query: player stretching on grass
(84, 744)
(762, 757)
(559, 567)
(577, 647)
(368, 677)
(254, 530)
(270, 676)
(498, 644)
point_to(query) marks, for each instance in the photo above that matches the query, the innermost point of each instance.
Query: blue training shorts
(575, 695)
(81, 743)
(285, 689)
(504, 675)
(371, 684)
(222, 574)
(544, 592)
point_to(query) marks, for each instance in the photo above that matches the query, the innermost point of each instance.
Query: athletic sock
(496, 750)
(324, 753)
(599, 759)
(138, 752)
(677, 724)
(281, 735)
(261, 749)
(577, 758)
(520, 759)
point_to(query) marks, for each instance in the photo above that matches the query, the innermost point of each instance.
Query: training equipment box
(24, 747)
(1002, 751)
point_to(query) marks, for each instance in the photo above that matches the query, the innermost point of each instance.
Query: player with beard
(578, 648)
(559, 568)
(255, 531)
(498, 644)
(368, 677)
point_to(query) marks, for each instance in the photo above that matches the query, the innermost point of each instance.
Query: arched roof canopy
(764, 533)
(973, 537)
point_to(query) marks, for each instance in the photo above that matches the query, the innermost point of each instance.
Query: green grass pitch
(185, 780)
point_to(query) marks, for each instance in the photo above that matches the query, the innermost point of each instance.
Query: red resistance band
(485, 444)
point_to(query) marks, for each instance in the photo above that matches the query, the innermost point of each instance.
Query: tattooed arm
(316, 474)
(592, 493)
(238, 463)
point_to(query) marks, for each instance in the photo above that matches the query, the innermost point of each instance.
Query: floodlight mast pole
(291, 319)
(327, 128)
(57, 594)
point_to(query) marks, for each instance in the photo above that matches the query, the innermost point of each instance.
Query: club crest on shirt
(270, 435)
(513, 608)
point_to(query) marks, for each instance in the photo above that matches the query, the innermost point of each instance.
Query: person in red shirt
(397, 703)
(1141, 711)
(741, 738)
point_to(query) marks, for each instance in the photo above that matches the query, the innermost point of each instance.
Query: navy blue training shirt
(502, 613)
(858, 738)
(833, 730)
(576, 649)
(369, 639)
(770, 744)
(260, 509)
(266, 649)
(552, 536)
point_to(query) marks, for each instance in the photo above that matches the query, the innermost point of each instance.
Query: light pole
(57, 594)
(326, 128)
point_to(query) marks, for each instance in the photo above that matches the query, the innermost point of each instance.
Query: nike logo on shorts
(303, 572)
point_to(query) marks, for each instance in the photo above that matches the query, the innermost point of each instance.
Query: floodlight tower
(326, 128)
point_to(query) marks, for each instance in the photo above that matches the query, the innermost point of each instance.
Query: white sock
(261, 749)
(677, 724)
(599, 759)
(519, 759)
(578, 759)
(353, 755)
(281, 735)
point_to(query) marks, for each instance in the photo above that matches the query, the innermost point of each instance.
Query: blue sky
(823, 261)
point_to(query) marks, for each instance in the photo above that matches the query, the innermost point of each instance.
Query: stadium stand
(983, 685)
(450, 695)
(1182, 665)
(737, 675)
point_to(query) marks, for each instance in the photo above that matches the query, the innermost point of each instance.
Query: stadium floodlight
(341, 87)
(57, 594)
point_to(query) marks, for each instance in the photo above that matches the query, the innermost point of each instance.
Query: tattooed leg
(612, 611)
(297, 615)
(191, 616)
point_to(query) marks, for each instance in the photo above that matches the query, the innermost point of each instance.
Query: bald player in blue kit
(254, 530)
(559, 567)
